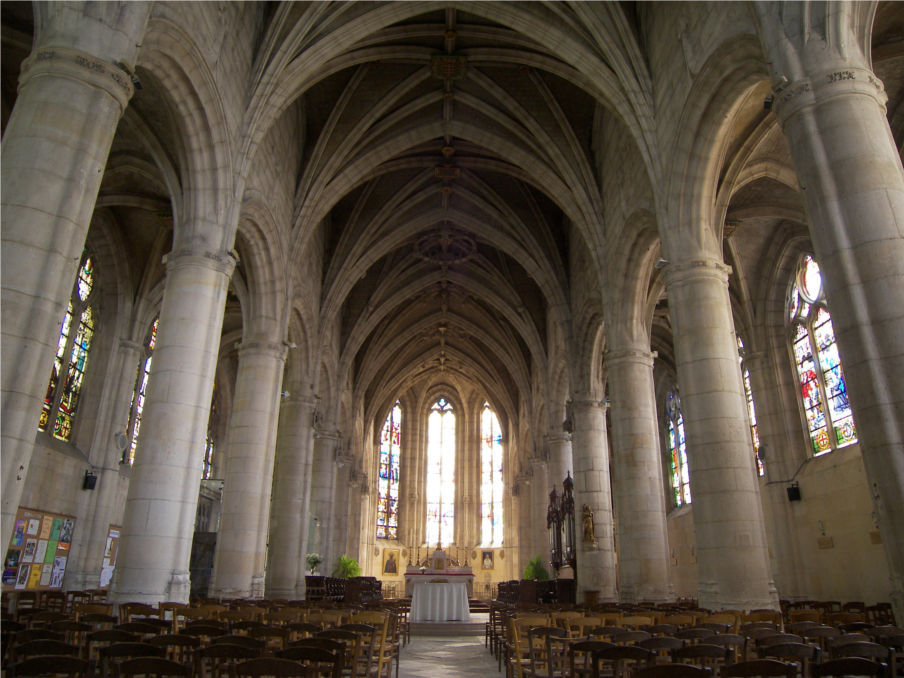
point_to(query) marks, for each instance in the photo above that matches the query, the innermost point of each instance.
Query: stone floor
(459, 654)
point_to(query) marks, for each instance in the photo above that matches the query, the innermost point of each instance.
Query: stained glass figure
(440, 473)
(139, 393)
(388, 475)
(491, 485)
(823, 393)
(751, 411)
(61, 400)
(679, 473)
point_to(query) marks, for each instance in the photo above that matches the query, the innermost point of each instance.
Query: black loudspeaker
(90, 481)
(793, 492)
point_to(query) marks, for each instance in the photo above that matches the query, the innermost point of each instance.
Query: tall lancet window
(491, 490)
(751, 411)
(679, 473)
(440, 473)
(140, 392)
(823, 393)
(61, 399)
(388, 480)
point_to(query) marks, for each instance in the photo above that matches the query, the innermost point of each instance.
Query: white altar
(439, 602)
(439, 572)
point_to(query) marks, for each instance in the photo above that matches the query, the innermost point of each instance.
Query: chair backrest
(59, 665)
(635, 621)
(777, 639)
(756, 668)
(214, 660)
(547, 649)
(582, 657)
(694, 634)
(244, 641)
(176, 646)
(153, 667)
(865, 649)
(317, 663)
(629, 637)
(849, 666)
(623, 657)
(673, 671)
(42, 646)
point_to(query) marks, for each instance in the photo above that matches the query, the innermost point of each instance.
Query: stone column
(596, 545)
(54, 150)
(241, 552)
(291, 498)
(323, 488)
(560, 459)
(159, 520)
(539, 500)
(835, 121)
(643, 539)
(341, 510)
(733, 560)
(83, 570)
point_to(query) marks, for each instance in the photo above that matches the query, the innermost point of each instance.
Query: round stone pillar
(289, 514)
(593, 499)
(539, 500)
(838, 133)
(560, 459)
(158, 525)
(732, 553)
(323, 488)
(54, 150)
(240, 556)
(643, 540)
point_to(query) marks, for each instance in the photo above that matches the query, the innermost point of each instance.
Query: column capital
(129, 345)
(65, 62)
(273, 349)
(590, 403)
(224, 262)
(793, 97)
(629, 355)
(557, 437)
(689, 270)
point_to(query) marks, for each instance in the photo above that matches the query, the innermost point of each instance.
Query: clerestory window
(440, 473)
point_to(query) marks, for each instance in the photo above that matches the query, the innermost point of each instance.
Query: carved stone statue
(587, 523)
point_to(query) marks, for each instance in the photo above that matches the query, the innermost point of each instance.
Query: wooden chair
(275, 637)
(732, 619)
(42, 646)
(141, 629)
(384, 652)
(661, 645)
(703, 655)
(849, 666)
(244, 641)
(629, 637)
(177, 647)
(133, 611)
(694, 634)
(216, 661)
(864, 649)
(802, 654)
(582, 657)
(353, 648)
(96, 640)
(47, 665)
(113, 655)
(636, 621)
(735, 643)
(760, 668)
(368, 635)
(153, 667)
(805, 614)
(517, 656)
(776, 639)
(317, 662)
(673, 671)
(547, 650)
(625, 660)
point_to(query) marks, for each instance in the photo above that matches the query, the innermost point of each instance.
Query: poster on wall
(110, 551)
(38, 551)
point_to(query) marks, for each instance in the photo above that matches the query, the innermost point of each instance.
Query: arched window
(491, 489)
(210, 441)
(139, 393)
(823, 393)
(751, 411)
(679, 474)
(61, 399)
(440, 473)
(388, 477)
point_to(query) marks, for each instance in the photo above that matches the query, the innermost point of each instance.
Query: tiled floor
(458, 654)
(447, 657)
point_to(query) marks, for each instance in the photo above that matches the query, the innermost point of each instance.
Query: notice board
(38, 551)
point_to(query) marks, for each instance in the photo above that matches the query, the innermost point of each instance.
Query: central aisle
(435, 656)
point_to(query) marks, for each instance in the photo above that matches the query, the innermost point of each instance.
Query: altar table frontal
(439, 602)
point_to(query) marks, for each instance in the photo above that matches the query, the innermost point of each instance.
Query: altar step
(475, 627)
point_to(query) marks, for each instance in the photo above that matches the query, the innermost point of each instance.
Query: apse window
(440, 473)
(678, 470)
(751, 411)
(61, 399)
(822, 391)
(388, 475)
(491, 487)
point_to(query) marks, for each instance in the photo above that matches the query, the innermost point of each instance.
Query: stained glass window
(440, 473)
(388, 476)
(823, 393)
(140, 392)
(210, 440)
(61, 400)
(491, 489)
(678, 470)
(751, 411)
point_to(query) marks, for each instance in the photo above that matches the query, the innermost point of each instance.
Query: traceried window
(440, 473)
(678, 471)
(823, 392)
(491, 489)
(140, 392)
(210, 441)
(751, 411)
(388, 476)
(61, 399)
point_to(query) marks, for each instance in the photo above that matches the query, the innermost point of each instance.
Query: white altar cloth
(439, 602)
